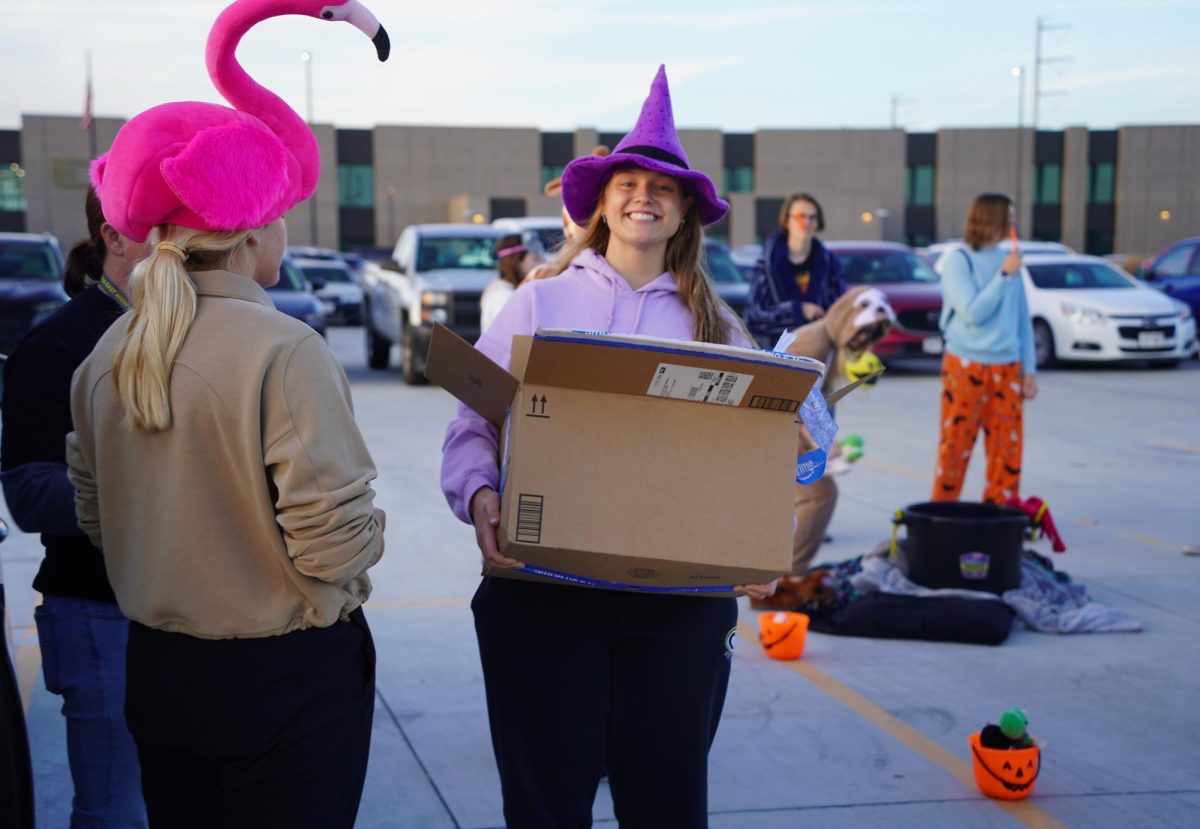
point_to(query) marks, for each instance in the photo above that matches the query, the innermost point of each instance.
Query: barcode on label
(529, 519)
(702, 385)
(774, 404)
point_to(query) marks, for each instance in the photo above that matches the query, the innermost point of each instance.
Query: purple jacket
(590, 296)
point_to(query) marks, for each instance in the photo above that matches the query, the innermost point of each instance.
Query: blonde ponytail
(164, 305)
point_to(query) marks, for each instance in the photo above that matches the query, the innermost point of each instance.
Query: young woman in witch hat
(581, 680)
(217, 464)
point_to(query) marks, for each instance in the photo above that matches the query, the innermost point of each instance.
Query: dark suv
(31, 266)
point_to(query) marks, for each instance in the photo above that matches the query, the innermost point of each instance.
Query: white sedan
(1083, 308)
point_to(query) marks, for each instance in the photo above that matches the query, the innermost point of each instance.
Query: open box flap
(470, 375)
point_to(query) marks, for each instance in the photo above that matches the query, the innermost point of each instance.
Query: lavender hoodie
(588, 295)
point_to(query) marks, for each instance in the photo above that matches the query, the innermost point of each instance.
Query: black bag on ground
(938, 619)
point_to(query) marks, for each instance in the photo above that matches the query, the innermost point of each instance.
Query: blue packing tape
(570, 578)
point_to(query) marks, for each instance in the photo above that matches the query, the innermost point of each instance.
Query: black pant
(581, 680)
(270, 732)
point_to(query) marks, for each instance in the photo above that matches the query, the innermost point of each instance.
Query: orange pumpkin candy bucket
(1007, 774)
(782, 634)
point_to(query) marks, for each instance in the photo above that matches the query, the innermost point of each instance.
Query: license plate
(330, 307)
(932, 345)
(1149, 339)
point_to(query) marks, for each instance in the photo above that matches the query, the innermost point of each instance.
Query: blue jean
(83, 661)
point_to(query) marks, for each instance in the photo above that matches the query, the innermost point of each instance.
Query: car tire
(414, 374)
(379, 350)
(1043, 344)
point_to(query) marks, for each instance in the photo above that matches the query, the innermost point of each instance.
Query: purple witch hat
(653, 145)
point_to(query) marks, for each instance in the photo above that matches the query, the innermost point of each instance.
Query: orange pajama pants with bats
(980, 396)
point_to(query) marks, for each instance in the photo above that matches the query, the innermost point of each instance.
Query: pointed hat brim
(584, 179)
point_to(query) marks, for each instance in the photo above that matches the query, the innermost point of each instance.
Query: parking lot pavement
(859, 731)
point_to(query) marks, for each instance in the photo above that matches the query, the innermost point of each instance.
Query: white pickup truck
(437, 274)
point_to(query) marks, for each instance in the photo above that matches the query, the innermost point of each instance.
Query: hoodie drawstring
(638, 317)
(612, 306)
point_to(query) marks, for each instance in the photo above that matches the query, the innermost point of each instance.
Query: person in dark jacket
(797, 278)
(81, 631)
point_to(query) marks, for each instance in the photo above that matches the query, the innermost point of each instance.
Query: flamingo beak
(362, 19)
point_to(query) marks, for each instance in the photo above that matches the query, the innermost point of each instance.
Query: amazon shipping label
(702, 385)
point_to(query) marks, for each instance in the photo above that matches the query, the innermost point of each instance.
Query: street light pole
(1018, 72)
(306, 59)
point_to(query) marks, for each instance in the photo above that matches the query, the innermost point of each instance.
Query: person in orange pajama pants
(989, 367)
(975, 396)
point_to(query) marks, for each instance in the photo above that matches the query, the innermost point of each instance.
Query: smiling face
(644, 209)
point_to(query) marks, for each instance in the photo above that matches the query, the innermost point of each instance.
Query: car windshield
(549, 238)
(884, 266)
(721, 267)
(290, 278)
(472, 252)
(1068, 275)
(28, 260)
(314, 272)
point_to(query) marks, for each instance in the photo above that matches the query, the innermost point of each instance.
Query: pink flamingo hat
(653, 145)
(207, 166)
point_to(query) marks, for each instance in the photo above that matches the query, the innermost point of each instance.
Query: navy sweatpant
(581, 680)
(252, 733)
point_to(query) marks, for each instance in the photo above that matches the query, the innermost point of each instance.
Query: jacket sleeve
(767, 309)
(320, 468)
(36, 418)
(40, 497)
(79, 449)
(972, 304)
(470, 452)
(837, 277)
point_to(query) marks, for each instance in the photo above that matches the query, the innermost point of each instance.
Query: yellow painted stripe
(1141, 538)
(1181, 447)
(29, 664)
(902, 471)
(1023, 810)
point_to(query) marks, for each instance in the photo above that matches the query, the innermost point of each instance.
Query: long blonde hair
(164, 305)
(685, 262)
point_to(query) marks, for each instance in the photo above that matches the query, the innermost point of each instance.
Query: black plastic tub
(966, 545)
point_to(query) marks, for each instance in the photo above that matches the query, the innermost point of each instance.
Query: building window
(356, 185)
(739, 179)
(1048, 184)
(12, 189)
(1102, 182)
(918, 185)
(551, 171)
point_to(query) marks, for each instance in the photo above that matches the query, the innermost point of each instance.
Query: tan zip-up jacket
(251, 515)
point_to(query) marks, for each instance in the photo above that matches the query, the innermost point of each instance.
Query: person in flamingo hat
(582, 680)
(217, 464)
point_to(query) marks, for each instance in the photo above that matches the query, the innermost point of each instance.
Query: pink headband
(500, 254)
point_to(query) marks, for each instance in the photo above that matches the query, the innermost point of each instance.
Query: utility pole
(1018, 72)
(307, 59)
(1039, 59)
(897, 101)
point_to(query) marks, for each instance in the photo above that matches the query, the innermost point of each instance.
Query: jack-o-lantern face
(782, 634)
(1008, 774)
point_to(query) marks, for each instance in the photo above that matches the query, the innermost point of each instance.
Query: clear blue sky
(559, 64)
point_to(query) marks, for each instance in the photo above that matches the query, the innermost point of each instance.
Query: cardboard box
(635, 462)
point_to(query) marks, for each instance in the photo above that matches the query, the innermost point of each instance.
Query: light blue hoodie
(985, 316)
